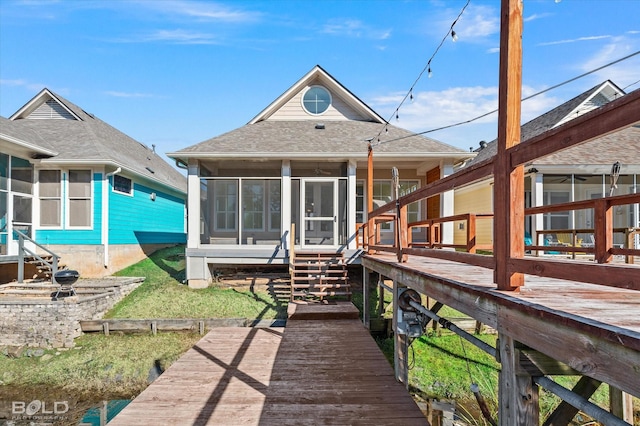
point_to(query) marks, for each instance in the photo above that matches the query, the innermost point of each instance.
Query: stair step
(322, 293)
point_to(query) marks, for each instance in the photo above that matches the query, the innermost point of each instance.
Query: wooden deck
(322, 368)
(591, 328)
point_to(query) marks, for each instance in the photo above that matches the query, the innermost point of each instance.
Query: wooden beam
(565, 412)
(370, 223)
(508, 189)
(611, 275)
(617, 114)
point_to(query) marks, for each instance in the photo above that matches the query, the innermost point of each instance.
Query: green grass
(116, 365)
(163, 295)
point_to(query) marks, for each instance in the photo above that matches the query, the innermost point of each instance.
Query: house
(83, 190)
(301, 161)
(581, 172)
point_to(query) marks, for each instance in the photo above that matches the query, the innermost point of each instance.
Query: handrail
(22, 250)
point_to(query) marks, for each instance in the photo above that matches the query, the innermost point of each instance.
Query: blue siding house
(84, 190)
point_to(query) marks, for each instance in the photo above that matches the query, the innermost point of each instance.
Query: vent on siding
(51, 110)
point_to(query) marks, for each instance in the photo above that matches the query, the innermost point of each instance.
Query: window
(382, 196)
(21, 176)
(122, 185)
(275, 214)
(226, 200)
(50, 197)
(316, 100)
(253, 205)
(79, 198)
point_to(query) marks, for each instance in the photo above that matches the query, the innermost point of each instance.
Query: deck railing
(614, 116)
(24, 251)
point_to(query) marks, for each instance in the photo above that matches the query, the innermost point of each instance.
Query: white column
(447, 206)
(537, 199)
(193, 206)
(106, 189)
(285, 208)
(351, 203)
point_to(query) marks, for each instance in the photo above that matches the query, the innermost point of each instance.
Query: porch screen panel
(261, 211)
(3, 222)
(21, 176)
(342, 212)
(4, 193)
(50, 197)
(80, 198)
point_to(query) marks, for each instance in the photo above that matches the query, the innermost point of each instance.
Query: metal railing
(24, 251)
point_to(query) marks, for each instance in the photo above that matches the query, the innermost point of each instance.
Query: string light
(460, 123)
(427, 67)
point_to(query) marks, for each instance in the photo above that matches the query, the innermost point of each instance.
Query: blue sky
(175, 72)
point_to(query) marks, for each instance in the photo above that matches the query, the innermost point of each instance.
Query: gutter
(105, 214)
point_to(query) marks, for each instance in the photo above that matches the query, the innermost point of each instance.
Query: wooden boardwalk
(323, 368)
(593, 329)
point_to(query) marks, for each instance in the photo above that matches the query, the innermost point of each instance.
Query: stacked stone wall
(55, 324)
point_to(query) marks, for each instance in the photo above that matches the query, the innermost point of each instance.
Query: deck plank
(315, 371)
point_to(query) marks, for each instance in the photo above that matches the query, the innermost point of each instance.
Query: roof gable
(85, 139)
(344, 105)
(46, 105)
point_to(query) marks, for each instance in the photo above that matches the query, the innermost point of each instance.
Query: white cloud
(32, 87)
(129, 95)
(437, 109)
(536, 16)
(205, 11)
(178, 36)
(477, 22)
(622, 73)
(574, 40)
(354, 28)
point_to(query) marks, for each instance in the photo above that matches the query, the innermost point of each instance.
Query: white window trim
(268, 206)
(67, 201)
(39, 198)
(114, 190)
(238, 199)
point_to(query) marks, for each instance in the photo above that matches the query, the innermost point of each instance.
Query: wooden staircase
(319, 275)
(43, 269)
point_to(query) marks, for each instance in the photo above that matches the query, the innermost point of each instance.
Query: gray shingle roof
(622, 146)
(340, 138)
(92, 141)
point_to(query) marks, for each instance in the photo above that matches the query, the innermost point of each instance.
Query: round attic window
(316, 100)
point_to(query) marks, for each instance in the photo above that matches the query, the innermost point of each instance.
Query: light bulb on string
(386, 129)
(411, 95)
(429, 73)
(454, 36)
(397, 117)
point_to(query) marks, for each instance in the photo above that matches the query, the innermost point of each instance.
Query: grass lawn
(162, 295)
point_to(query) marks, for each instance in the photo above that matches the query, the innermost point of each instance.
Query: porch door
(319, 212)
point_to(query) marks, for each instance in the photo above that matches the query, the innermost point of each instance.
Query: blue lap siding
(133, 219)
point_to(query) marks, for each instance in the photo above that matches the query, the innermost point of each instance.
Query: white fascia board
(125, 170)
(27, 145)
(320, 155)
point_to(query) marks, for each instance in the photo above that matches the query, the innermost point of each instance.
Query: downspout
(105, 214)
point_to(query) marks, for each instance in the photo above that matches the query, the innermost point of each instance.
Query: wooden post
(365, 297)
(603, 233)
(402, 233)
(621, 404)
(370, 224)
(400, 343)
(508, 186)
(517, 394)
(471, 233)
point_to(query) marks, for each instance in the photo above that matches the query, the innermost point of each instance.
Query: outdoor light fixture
(152, 196)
